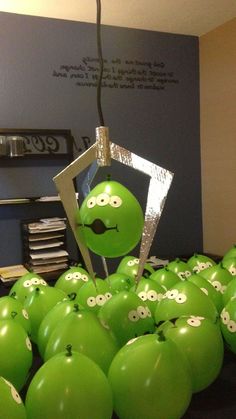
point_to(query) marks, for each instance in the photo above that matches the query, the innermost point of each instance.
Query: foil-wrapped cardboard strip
(103, 153)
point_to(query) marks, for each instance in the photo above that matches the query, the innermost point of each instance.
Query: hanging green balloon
(110, 220)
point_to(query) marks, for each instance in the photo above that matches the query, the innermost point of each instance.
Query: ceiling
(188, 17)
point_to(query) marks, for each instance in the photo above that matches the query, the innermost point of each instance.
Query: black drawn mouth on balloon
(98, 226)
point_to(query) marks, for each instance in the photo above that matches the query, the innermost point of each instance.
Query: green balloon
(165, 277)
(126, 316)
(129, 265)
(110, 220)
(15, 353)
(9, 304)
(208, 289)
(228, 324)
(25, 285)
(230, 265)
(230, 291)
(199, 262)
(201, 342)
(69, 386)
(150, 292)
(72, 280)
(218, 276)
(51, 321)
(84, 332)
(185, 299)
(92, 296)
(181, 268)
(231, 253)
(150, 379)
(38, 303)
(11, 406)
(120, 282)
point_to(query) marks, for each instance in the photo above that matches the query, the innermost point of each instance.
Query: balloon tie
(13, 314)
(69, 350)
(161, 336)
(76, 307)
(72, 296)
(13, 294)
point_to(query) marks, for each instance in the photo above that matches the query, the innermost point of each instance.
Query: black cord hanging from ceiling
(100, 57)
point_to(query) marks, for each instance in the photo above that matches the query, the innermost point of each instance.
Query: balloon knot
(69, 350)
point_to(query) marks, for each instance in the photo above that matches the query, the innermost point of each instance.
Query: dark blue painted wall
(150, 102)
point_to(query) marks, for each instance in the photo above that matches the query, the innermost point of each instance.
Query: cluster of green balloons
(139, 349)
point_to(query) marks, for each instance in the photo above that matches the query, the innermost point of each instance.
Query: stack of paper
(44, 245)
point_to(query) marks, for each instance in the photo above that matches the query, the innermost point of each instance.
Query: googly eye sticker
(76, 275)
(84, 278)
(152, 295)
(27, 284)
(194, 322)
(35, 281)
(204, 290)
(115, 201)
(232, 270)
(223, 288)
(42, 282)
(14, 393)
(102, 199)
(69, 277)
(100, 299)
(181, 275)
(217, 285)
(143, 295)
(91, 202)
(149, 314)
(108, 295)
(225, 317)
(28, 344)
(130, 263)
(25, 314)
(91, 301)
(172, 294)
(181, 298)
(231, 326)
(133, 316)
(142, 312)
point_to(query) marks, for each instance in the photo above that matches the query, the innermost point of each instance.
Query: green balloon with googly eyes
(25, 285)
(230, 291)
(120, 282)
(83, 330)
(9, 304)
(181, 268)
(11, 404)
(231, 253)
(126, 316)
(228, 324)
(150, 379)
(38, 303)
(69, 386)
(110, 220)
(201, 341)
(15, 352)
(208, 289)
(199, 262)
(165, 277)
(52, 319)
(129, 265)
(185, 299)
(150, 292)
(230, 265)
(72, 279)
(218, 276)
(92, 295)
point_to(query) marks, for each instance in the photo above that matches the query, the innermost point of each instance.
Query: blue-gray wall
(150, 102)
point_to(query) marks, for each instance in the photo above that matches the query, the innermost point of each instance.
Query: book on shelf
(44, 244)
